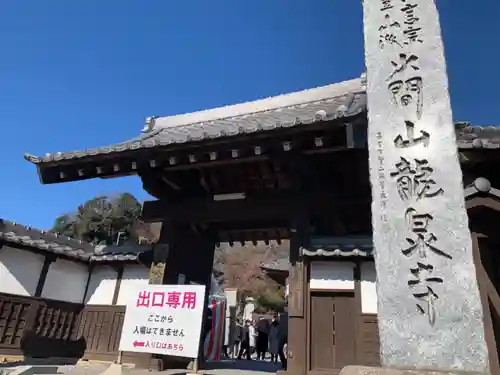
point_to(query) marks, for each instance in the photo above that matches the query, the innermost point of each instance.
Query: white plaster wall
(19, 271)
(368, 288)
(134, 275)
(331, 275)
(102, 285)
(66, 281)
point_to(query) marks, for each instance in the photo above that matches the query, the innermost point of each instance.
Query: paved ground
(227, 367)
(78, 369)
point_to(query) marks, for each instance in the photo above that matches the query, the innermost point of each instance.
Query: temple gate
(292, 167)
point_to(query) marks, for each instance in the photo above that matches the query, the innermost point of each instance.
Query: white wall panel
(101, 286)
(134, 275)
(331, 275)
(66, 281)
(19, 271)
(368, 288)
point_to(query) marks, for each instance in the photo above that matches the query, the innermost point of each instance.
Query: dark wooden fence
(41, 328)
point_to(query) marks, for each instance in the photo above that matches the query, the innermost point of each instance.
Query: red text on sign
(164, 345)
(186, 300)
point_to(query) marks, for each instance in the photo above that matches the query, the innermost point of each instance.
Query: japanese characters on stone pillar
(430, 313)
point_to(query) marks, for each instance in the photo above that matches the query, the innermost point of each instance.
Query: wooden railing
(40, 328)
(37, 327)
(14, 313)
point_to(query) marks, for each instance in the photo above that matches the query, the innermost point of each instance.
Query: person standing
(262, 338)
(245, 341)
(237, 339)
(274, 342)
(252, 333)
(283, 339)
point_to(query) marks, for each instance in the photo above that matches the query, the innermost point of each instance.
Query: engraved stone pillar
(430, 313)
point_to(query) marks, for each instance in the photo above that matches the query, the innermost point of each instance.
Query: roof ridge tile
(14, 233)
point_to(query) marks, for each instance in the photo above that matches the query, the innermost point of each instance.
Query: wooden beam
(90, 270)
(270, 206)
(203, 181)
(208, 210)
(170, 183)
(251, 236)
(214, 180)
(215, 163)
(43, 274)
(119, 277)
(325, 150)
(251, 226)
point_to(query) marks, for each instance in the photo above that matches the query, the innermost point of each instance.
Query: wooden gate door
(487, 261)
(332, 332)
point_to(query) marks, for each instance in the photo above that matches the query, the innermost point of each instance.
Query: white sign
(164, 319)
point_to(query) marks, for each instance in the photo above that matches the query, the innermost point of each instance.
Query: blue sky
(84, 73)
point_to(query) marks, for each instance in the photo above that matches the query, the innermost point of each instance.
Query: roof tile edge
(261, 105)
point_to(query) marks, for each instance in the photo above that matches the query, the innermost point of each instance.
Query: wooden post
(162, 251)
(157, 274)
(157, 271)
(297, 330)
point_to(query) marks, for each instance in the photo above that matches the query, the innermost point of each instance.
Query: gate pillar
(297, 312)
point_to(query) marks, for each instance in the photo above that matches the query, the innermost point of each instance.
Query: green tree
(272, 300)
(240, 267)
(65, 225)
(102, 220)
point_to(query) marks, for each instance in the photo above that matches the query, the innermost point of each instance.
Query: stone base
(365, 370)
(113, 369)
(19, 370)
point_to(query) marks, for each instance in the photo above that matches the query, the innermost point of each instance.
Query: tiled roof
(282, 264)
(344, 99)
(325, 103)
(17, 234)
(485, 137)
(328, 247)
(119, 253)
(339, 246)
(481, 186)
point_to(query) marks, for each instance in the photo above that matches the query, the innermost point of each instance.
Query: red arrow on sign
(138, 343)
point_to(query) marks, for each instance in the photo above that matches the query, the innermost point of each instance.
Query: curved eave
(126, 163)
(346, 105)
(304, 109)
(119, 163)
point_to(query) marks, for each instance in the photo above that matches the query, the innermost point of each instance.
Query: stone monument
(430, 313)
